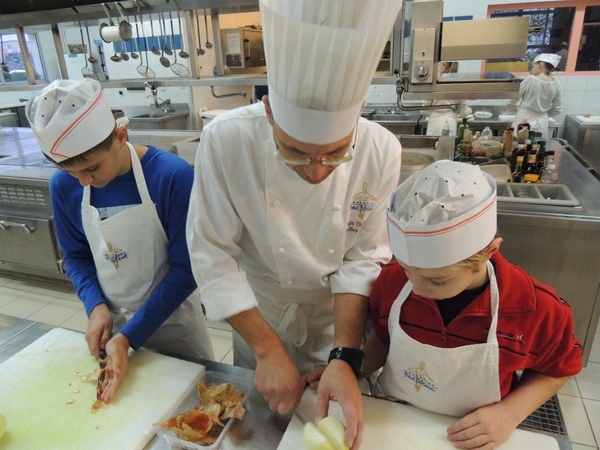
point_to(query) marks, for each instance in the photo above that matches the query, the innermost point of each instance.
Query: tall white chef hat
(442, 215)
(69, 117)
(549, 58)
(321, 56)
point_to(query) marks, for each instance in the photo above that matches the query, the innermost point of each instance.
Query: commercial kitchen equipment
(583, 133)
(243, 48)
(433, 41)
(260, 428)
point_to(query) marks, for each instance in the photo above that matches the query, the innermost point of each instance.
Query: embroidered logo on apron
(421, 378)
(114, 255)
(363, 203)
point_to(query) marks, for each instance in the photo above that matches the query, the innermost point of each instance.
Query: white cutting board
(393, 426)
(37, 382)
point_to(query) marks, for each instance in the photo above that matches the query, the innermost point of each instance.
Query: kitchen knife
(299, 415)
(101, 375)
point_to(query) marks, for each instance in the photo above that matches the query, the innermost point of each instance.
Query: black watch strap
(352, 356)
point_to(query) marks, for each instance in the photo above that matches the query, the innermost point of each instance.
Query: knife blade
(299, 415)
(101, 375)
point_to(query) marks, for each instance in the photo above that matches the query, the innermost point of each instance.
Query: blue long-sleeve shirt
(169, 179)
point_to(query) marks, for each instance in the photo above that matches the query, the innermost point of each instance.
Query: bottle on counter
(531, 173)
(521, 150)
(549, 174)
(517, 174)
(523, 133)
(486, 134)
(477, 135)
(541, 154)
(508, 142)
(460, 135)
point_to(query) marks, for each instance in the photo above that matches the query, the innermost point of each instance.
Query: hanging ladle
(134, 54)
(166, 48)
(144, 71)
(164, 61)
(200, 49)
(86, 71)
(154, 50)
(91, 59)
(208, 43)
(183, 54)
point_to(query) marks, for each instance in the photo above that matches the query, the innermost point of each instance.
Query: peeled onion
(334, 430)
(314, 439)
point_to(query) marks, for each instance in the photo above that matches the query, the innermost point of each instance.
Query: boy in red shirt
(454, 321)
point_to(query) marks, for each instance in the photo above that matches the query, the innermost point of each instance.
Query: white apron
(537, 120)
(131, 259)
(441, 122)
(452, 381)
(303, 320)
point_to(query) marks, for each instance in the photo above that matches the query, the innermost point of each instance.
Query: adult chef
(540, 95)
(286, 227)
(443, 119)
(120, 212)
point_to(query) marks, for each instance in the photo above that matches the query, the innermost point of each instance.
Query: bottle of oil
(521, 150)
(517, 174)
(508, 142)
(531, 173)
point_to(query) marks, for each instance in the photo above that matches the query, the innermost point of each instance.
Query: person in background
(120, 212)
(286, 228)
(443, 120)
(540, 96)
(563, 52)
(454, 322)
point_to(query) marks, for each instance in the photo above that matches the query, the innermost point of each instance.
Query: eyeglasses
(325, 160)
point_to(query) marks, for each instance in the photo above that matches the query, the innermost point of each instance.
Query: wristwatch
(352, 356)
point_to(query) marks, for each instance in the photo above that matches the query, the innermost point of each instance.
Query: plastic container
(243, 385)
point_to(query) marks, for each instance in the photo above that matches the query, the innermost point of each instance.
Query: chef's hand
(279, 381)
(313, 377)
(116, 367)
(99, 329)
(338, 383)
(483, 429)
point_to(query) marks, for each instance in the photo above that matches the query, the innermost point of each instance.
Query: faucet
(154, 91)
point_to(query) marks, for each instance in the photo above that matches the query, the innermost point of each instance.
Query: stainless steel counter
(560, 245)
(261, 428)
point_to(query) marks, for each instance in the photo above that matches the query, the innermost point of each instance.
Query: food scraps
(205, 422)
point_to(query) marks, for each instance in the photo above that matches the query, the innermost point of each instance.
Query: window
(569, 28)
(13, 67)
(548, 28)
(588, 56)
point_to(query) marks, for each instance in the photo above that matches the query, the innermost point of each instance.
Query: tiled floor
(57, 304)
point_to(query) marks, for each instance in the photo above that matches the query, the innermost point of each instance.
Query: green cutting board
(43, 410)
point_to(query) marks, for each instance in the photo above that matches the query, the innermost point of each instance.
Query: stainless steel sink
(159, 120)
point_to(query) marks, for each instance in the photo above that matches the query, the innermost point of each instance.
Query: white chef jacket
(445, 118)
(538, 100)
(251, 214)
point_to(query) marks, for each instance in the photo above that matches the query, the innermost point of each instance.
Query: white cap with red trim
(442, 215)
(69, 117)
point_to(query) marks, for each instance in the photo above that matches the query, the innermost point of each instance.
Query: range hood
(431, 41)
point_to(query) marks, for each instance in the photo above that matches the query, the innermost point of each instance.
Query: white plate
(482, 114)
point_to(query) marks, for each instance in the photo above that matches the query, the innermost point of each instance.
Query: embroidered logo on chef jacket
(362, 203)
(421, 378)
(508, 336)
(114, 255)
